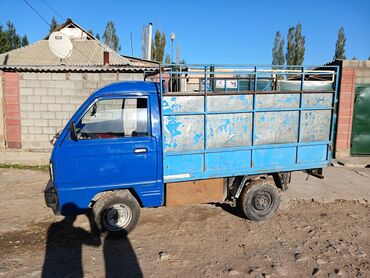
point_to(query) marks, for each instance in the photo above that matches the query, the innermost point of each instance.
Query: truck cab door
(114, 149)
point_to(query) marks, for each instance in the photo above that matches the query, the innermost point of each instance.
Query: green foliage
(110, 36)
(53, 25)
(144, 42)
(278, 50)
(354, 58)
(158, 46)
(167, 60)
(340, 52)
(295, 46)
(25, 40)
(97, 36)
(299, 45)
(290, 51)
(9, 39)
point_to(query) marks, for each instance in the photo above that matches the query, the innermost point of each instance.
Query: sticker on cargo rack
(179, 176)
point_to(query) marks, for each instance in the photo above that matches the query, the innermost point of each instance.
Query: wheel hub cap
(117, 217)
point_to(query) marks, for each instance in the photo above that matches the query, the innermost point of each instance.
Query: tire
(259, 200)
(117, 213)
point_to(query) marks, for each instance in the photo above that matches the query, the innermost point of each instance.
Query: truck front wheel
(259, 199)
(117, 213)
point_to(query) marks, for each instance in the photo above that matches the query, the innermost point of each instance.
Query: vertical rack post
(205, 118)
(300, 112)
(253, 112)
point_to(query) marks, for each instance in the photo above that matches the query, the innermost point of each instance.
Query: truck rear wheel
(117, 213)
(259, 199)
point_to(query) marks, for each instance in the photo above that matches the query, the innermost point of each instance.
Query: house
(39, 92)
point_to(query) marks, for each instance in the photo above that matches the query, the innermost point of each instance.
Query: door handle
(140, 150)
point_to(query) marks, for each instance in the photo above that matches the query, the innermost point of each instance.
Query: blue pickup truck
(196, 134)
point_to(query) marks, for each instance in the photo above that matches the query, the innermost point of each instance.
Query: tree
(178, 55)
(281, 57)
(340, 52)
(167, 60)
(110, 36)
(159, 45)
(97, 36)
(53, 25)
(275, 49)
(9, 39)
(290, 51)
(144, 42)
(24, 40)
(299, 45)
(295, 46)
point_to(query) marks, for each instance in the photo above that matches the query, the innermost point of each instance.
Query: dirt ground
(322, 229)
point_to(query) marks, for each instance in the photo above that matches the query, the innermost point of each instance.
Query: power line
(43, 18)
(55, 11)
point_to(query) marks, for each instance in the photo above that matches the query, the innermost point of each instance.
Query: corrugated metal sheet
(78, 68)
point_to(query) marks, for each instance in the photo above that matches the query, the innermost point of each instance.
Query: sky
(217, 32)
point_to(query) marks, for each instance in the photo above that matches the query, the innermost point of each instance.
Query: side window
(113, 118)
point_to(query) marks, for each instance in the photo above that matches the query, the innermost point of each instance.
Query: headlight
(51, 171)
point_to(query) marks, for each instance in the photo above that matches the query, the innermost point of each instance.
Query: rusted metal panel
(276, 127)
(194, 192)
(267, 101)
(315, 125)
(229, 130)
(183, 133)
(183, 104)
(317, 100)
(226, 103)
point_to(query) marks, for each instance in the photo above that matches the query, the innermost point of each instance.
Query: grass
(24, 167)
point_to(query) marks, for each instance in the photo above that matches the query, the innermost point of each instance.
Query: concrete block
(29, 75)
(34, 115)
(33, 84)
(26, 107)
(48, 99)
(58, 76)
(62, 115)
(109, 76)
(28, 122)
(76, 100)
(48, 83)
(23, 83)
(26, 91)
(54, 91)
(68, 108)
(93, 76)
(23, 99)
(54, 107)
(362, 80)
(62, 99)
(90, 84)
(76, 76)
(48, 115)
(55, 123)
(103, 83)
(35, 130)
(49, 130)
(40, 92)
(69, 92)
(34, 99)
(41, 122)
(44, 75)
(40, 107)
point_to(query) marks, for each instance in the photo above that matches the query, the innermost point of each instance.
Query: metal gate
(361, 121)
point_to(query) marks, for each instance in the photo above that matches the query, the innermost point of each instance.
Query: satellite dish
(60, 45)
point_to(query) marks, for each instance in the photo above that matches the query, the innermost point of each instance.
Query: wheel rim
(117, 217)
(262, 201)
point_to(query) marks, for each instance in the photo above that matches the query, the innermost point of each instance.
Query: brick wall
(48, 100)
(2, 142)
(11, 113)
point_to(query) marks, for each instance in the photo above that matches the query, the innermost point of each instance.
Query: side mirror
(73, 131)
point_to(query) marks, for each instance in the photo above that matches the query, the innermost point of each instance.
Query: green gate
(361, 121)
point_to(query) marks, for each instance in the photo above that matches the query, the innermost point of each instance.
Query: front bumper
(51, 197)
